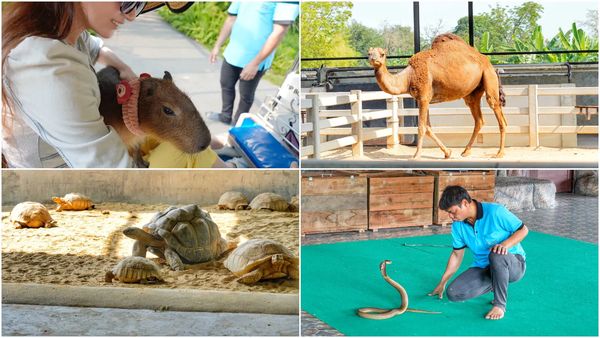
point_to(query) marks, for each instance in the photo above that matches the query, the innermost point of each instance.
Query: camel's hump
(446, 37)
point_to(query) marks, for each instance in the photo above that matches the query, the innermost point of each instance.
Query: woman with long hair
(50, 93)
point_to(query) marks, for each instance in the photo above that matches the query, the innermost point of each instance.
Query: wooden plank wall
(333, 204)
(396, 202)
(479, 184)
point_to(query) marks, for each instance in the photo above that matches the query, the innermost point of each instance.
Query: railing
(323, 122)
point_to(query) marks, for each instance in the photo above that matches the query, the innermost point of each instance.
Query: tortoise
(180, 235)
(73, 201)
(31, 215)
(258, 259)
(270, 201)
(233, 200)
(135, 270)
(294, 205)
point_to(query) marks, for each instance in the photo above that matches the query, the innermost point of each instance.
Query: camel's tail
(502, 96)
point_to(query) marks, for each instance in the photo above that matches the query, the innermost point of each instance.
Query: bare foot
(495, 313)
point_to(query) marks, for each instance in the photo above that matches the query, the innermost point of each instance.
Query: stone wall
(202, 187)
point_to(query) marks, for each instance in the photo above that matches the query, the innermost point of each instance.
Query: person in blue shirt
(493, 234)
(254, 29)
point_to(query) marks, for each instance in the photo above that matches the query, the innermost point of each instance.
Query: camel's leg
(492, 96)
(473, 101)
(425, 129)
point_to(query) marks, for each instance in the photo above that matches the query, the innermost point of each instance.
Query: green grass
(203, 21)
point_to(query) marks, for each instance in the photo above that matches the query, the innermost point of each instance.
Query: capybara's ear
(370, 50)
(167, 76)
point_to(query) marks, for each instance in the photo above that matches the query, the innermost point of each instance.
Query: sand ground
(86, 244)
(512, 154)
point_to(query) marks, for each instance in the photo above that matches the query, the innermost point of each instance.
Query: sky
(556, 13)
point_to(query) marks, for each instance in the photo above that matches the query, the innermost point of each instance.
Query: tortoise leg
(157, 252)
(109, 277)
(293, 272)
(139, 249)
(251, 277)
(173, 259)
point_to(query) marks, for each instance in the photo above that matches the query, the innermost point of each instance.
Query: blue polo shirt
(493, 224)
(253, 25)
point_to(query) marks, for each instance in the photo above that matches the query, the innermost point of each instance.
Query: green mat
(558, 295)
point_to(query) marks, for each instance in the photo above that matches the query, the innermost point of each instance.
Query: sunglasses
(128, 7)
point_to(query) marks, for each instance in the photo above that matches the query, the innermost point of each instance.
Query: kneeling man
(493, 234)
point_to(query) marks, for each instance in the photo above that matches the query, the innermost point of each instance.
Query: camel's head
(377, 56)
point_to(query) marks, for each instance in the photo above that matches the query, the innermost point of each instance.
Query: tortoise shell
(31, 215)
(251, 255)
(73, 201)
(270, 201)
(233, 200)
(135, 270)
(189, 231)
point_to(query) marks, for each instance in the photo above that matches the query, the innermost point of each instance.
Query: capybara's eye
(168, 111)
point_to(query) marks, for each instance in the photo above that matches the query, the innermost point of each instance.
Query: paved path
(37, 320)
(150, 45)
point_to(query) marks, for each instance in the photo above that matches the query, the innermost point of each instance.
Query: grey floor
(574, 217)
(38, 320)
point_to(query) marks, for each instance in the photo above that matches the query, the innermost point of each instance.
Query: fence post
(392, 104)
(316, 132)
(401, 138)
(534, 137)
(357, 127)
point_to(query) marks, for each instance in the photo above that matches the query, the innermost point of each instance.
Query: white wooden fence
(322, 122)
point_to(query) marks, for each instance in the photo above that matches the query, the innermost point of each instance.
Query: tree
(591, 22)
(430, 32)
(362, 38)
(502, 23)
(325, 32)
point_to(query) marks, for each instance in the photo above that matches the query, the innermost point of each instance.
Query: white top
(55, 96)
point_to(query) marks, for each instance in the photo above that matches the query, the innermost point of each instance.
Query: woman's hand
(213, 54)
(127, 74)
(249, 72)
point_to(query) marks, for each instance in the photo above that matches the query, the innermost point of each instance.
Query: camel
(450, 70)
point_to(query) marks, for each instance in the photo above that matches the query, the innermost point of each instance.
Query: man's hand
(499, 249)
(249, 72)
(439, 290)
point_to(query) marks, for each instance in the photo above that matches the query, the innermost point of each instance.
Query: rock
(587, 185)
(514, 193)
(525, 193)
(544, 194)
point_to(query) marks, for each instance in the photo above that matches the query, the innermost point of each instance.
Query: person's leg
(470, 284)
(247, 91)
(504, 269)
(229, 77)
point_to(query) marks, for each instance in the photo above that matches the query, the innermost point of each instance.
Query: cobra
(378, 313)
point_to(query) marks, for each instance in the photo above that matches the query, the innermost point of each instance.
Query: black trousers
(230, 75)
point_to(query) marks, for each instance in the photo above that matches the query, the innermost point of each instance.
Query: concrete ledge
(153, 299)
